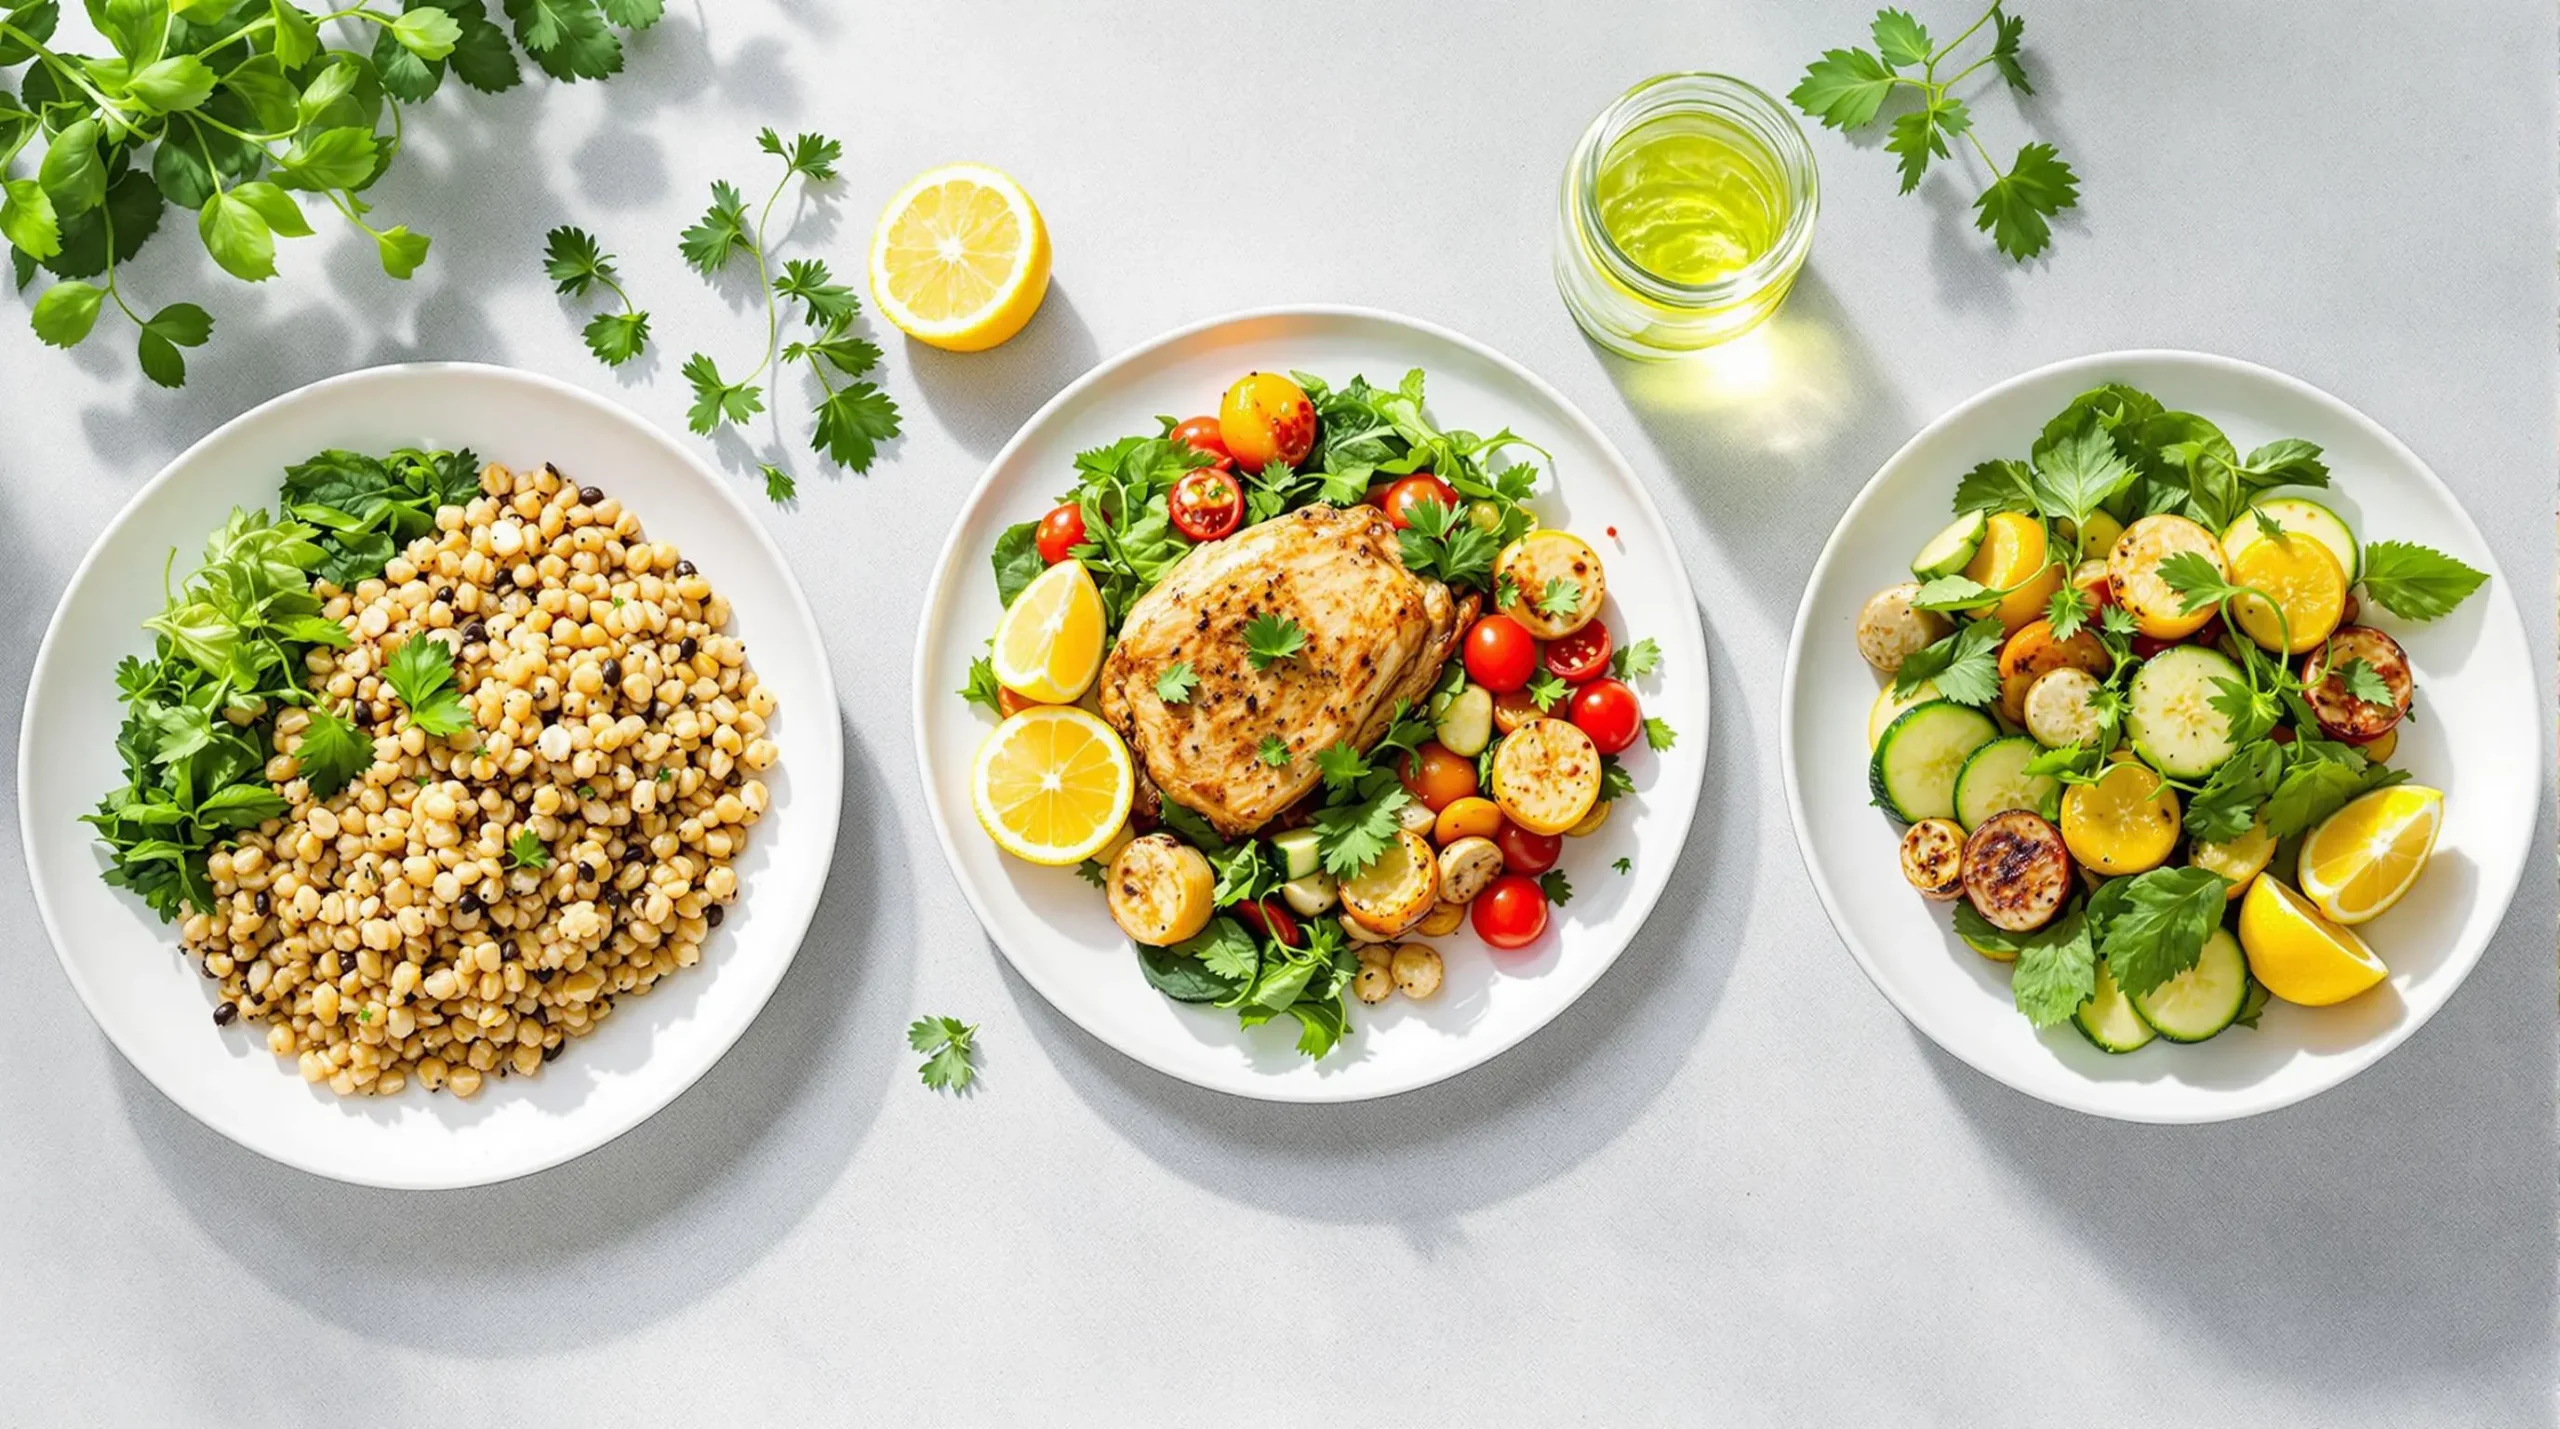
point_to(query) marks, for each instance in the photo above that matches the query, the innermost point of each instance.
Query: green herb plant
(1847, 89)
(234, 110)
(950, 1046)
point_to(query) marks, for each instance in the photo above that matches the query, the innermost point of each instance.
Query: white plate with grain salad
(1370, 703)
(429, 822)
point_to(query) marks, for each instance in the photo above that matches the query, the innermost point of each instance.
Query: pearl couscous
(471, 903)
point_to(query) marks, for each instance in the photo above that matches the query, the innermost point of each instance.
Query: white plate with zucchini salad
(1311, 703)
(2161, 736)
(403, 800)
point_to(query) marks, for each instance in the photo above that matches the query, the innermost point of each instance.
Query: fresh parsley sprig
(950, 1048)
(576, 263)
(1847, 88)
(420, 674)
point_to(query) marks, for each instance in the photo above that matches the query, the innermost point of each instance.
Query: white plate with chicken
(2260, 749)
(1326, 744)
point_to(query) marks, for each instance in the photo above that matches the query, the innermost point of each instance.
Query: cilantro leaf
(1997, 485)
(2006, 31)
(332, 753)
(1557, 887)
(982, 688)
(575, 261)
(812, 155)
(1175, 684)
(1561, 599)
(1843, 89)
(2159, 925)
(2365, 683)
(1944, 593)
(1545, 690)
(950, 1045)
(2191, 575)
(1658, 735)
(1269, 639)
(2015, 208)
(1633, 662)
(1341, 766)
(719, 234)
(1274, 751)
(1440, 541)
(2068, 610)
(1615, 782)
(1919, 135)
(2080, 473)
(526, 850)
(715, 399)
(825, 301)
(1965, 665)
(2227, 806)
(1350, 837)
(2056, 965)
(779, 485)
(2416, 582)
(1624, 865)
(1093, 872)
(1900, 38)
(852, 422)
(420, 673)
(616, 338)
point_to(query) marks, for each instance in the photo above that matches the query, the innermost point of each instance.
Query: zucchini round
(1946, 553)
(1994, 780)
(2108, 1019)
(2205, 998)
(1913, 774)
(2169, 713)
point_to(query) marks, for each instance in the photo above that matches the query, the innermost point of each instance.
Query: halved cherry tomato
(1268, 918)
(1412, 491)
(1201, 433)
(1525, 852)
(1061, 531)
(1511, 913)
(1583, 655)
(1206, 503)
(1514, 708)
(1437, 778)
(1501, 654)
(1609, 712)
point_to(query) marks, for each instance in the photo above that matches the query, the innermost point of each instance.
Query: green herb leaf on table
(780, 487)
(950, 1047)
(576, 264)
(2016, 208)
(716, 400)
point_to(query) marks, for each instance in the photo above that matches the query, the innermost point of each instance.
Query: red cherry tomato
(1201, 433)
(1061, 531)
(1206, 503)
(2146, 646)
(1501, 655)
(1437, 778)
(1525, 852)
(1412, 491)
(1583, 655)
(1608, 711)
(1268, 918)
(1264, 418)
(1511, 913)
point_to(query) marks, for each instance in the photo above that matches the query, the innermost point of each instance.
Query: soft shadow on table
(2396, 1230)
(667, 1213)
(982, 398)
(1769, 436)
(1502, 1128)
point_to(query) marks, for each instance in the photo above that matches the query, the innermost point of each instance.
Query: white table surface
(1730, 1186)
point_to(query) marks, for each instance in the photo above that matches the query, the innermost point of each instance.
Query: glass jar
(1685, 214)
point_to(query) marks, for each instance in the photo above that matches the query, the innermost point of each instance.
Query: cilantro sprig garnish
(1174, 686)
(527, 850)
(1965, 666)
(950, 1048)
(576, 263)
(1441, 542)
(1847, 89)
(1270, 639)
(420, 674)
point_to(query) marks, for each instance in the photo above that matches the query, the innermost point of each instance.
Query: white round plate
(2475, 694)
(1056, 929)
(125, 962)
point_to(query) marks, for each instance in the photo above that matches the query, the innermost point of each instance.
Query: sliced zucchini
(1913, 774)
(2169, 713)
(2297, 517)
(1299, 855)
(2205, 998)
(1946, 553)
(1994, 779)
(1889, 707)
(2108, 1020)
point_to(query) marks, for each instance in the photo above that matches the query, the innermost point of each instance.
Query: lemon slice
(1052, 785)
(961, 259)
(2300, 955)
(2361, 859)
(1049, 644)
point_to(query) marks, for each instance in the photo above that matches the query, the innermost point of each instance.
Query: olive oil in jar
(1686, 213)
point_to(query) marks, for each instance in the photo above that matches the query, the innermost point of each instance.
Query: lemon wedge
(2299, 954)
(1049, 644)
(961, 259)
(1052, 785)
(2361, 859)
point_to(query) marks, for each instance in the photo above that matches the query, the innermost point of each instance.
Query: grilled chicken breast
(1375, 634)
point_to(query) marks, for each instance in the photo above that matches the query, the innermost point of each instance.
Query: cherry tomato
(1009, 702)
(1607, 711)
(1265, 416)
(1501, 655)
(1206, 503)
(1267, 917)
(1511, 912)
(1061, 531)
(2146, 646)
(1201, 433)
(1525, 852)
(1412, 491)
(1514, 708)
(1437, 778)
(1583, 655)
